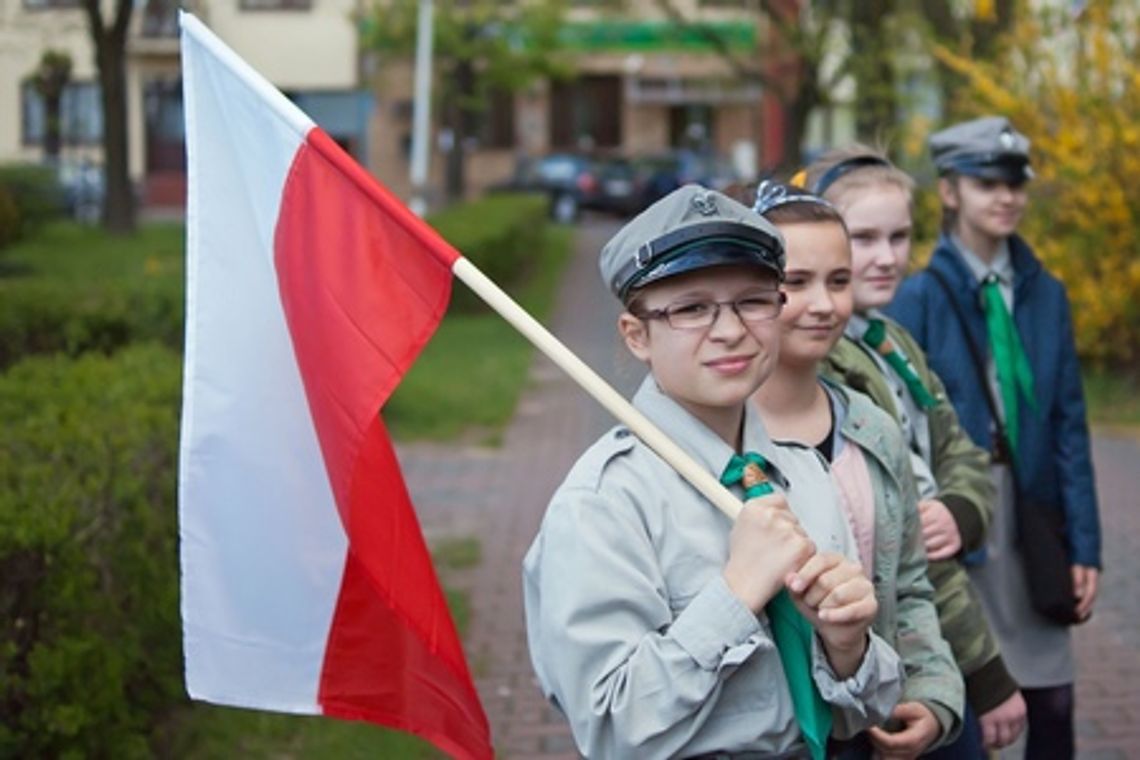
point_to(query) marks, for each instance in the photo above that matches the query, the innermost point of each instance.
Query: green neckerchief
(876, 337)
(1013, 371)
(792, 632)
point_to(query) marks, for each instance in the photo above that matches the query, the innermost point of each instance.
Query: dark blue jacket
(1053, 459)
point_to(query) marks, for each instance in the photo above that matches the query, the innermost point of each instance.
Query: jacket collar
(862, 423)
(706, 447)
(948, 261)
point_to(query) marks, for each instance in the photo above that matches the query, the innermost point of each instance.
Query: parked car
(576, 182)
(620, 189)
(660, 174)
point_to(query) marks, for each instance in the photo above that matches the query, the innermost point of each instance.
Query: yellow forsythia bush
(1072, 85)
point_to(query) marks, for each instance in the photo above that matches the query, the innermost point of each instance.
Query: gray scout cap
(690, 228)
(988, 147)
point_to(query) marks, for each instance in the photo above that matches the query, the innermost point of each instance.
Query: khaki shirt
(632, 629)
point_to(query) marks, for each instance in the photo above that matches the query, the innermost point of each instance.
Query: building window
(160, 18)
(586, 113)
(53, 5)
(496, 122)
(276, 5)
(691, 126)
(80, 115)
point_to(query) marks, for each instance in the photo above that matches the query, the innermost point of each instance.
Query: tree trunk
(873, 69)
(463, 84)
(53, 126)
(111, 60)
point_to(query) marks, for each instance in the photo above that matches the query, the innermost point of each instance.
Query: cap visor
(703, 257)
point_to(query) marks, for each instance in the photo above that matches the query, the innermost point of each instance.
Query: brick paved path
(1108, 646)
(498, 495)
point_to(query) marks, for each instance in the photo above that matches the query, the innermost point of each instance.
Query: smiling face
(879, 220)
(711, 369)
(818, 286)
(987, 210)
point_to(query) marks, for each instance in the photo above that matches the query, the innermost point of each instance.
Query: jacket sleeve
(961, 467)
(1072, 451)
(932, 676)
(964, 626)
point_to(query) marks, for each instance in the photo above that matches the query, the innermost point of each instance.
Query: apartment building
(307, 48)
(643, 84)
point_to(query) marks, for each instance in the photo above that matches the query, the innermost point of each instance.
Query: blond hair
(852, 168)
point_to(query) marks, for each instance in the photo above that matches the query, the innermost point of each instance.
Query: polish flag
(306, 583)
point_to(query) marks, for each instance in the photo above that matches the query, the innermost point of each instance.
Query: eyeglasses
(759, 306)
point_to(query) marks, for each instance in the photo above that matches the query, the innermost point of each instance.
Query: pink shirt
(856, 501)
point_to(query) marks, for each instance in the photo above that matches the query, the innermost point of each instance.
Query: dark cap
(989, 148)
(690, 228)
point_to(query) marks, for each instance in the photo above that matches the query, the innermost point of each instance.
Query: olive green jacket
(960, 467)
(961, 470)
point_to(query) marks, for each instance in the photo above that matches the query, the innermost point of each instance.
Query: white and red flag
(306, 583)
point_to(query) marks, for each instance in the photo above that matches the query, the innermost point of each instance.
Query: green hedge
(89, 599)
(37, 194)
(48, 317)
(500, 234)
(74, 289)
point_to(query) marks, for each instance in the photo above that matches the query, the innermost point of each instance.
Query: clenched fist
(767, 544)
(838, 600)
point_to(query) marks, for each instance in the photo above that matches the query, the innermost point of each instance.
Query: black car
(574, 182)
(659, 175)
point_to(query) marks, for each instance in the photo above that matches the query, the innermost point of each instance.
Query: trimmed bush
(73, 289)
(49, 317)
(89, 603)
(500, 234)
(36, 191)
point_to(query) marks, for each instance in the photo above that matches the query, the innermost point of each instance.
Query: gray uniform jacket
(632, 629)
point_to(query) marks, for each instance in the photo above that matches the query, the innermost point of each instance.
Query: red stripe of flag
(364, 284)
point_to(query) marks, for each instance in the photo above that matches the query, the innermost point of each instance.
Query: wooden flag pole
(593, 384)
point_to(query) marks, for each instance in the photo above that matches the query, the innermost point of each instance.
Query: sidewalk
(498, 496)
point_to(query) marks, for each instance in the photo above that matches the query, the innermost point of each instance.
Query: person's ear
(948, 192)
(635, 333)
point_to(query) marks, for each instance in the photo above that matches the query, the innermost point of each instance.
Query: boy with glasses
(656, 625)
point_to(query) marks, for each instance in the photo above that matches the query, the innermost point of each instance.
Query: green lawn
(80, 255)
(206, 732)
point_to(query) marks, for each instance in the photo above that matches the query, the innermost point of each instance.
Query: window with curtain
(81, 114)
